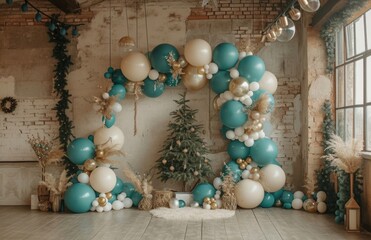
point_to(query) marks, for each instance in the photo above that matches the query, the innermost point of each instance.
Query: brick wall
(260, 12)
(31, 117)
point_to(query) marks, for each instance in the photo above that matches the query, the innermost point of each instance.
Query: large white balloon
(272, 177)
(111, 137)
(249, 193)
(103, 179)
(198, 52)
(268, 82)
(135, 66)
(297, 203)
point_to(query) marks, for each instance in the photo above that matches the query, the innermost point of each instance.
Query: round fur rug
(189, 213)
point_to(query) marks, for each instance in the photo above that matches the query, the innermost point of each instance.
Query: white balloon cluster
(298, 203)
(211, 69)
(101, 204)
(122, 202)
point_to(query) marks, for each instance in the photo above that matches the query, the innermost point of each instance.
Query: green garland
(60, 53)
(333, 25)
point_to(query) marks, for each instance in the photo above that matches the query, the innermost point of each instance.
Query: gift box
(187, 197)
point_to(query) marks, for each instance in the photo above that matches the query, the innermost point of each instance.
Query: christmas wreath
(8, 104)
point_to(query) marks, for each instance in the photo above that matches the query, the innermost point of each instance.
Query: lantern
(353, 212)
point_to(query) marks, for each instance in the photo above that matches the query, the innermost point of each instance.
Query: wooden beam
(326, 11)
(67, 6)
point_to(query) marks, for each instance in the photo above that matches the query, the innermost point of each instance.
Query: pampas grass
(57, 187)
(346, 155)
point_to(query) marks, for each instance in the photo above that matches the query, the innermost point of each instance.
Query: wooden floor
(274, 223)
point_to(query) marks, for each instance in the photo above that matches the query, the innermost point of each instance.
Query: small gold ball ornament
(164, 161)
(172, 168)
(192, 129)
(108, 195)
(102, 201)
(248, 160)
(178, 142)
(207, 200)
(214, 205)
(162, 77)
(239, 160)
(195, 173)
(99, 153)
(185, 150)
(90, 164)
(254, 170)
(242, 166)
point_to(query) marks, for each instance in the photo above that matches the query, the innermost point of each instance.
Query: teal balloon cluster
(80, 150)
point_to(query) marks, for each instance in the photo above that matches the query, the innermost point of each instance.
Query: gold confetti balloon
(90, 164)
(239, 86)
(192, 79)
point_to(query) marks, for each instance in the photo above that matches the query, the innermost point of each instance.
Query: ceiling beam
(67, 6)
(326, 11)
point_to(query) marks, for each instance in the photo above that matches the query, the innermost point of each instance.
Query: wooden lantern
(353, 211)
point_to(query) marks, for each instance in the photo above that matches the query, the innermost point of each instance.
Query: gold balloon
(242, 166)
(248, 160)
(102, 201)
(215, 103)
(310, 205)
(239, 86)
(99, 153)
(108, 195)
(214, 205)
(183, 63)
(201, 70)
(254, 170)
(207, 199)
(192, 80)
(162, 77)
(239, 160)
(212, 200)
(90, 164)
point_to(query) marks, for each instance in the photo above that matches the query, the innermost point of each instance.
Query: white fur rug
(188, 213)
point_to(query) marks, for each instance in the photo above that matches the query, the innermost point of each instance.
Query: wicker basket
(43, 193)
(162, 198)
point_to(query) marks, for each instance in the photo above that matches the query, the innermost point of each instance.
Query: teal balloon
(113, 198)
(219, 83)
(232, 114)
(107, 75)
(287, 197)
(129, 189)
(119, 187)
(109, 122)
(136, 197)
(237, 149)
(118, 77)
(171, 81)
(181, 203)
(225, 55)
(338, 219)
(252, 68)
(277, 195)
(268, 200)
(158, 57)
(203, 190)
(80, 150)
(91, 138)
(264, 151)
(287, 205)
(152, 88)
(235, 168)
(304, 198)
(223, 131)
(118, 90)
(78, 198)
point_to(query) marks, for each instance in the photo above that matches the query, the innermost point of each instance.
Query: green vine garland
(333, 25)
(60, 53)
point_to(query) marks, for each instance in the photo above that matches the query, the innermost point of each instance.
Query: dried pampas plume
(262, 106)
(346, 155)
(57, 187)
(105, 105)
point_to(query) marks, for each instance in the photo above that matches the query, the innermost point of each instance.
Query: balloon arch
(244, 98)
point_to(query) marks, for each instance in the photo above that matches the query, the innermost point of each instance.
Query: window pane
(358, 123)
(359, 82)
(368, 81)
(349, 76)
(360, 35)
(339, 47)
(348, 123)
(340, 131)
(368, 25)
(340, 87)
(368, 127)
(349, 32)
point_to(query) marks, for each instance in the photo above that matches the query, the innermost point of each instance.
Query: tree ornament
(192, 129)
(178, 142)
(172, 168)
(185, 150)
(164, 161)
(195, 173)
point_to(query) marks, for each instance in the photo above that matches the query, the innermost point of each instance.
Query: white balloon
(239, 131)
(249, 193)
(253, 164)
(103, 179)
(128, 203)
(206, 206)
(261, 134)
(249, 142)
(105, 95)
(244, 137)
(298, 194)
(248, 167)
(321, 196)
(135, 66)
(117, 205)
(213, 68)
(242, 55)
(272, 178)
(83, 178)
(99, 209)
(219, 203)
(121, 196)
(250, 93)
(111, 137)
(217, 182)
(102, 195)
(116, 107)
(228, 95)
(217, 196)
(254, 135)
(247, 101)
(234, 73)
(209, 76)
(108, 207)
(206, 66)
(321, 207)
(246, 173)
(153, 74)
(92, 209)
(218, 192)
(198, 52)
(230, 134)
(254, 86)
(95, 203)
(249, 53)
(268, 82)
(297, 203)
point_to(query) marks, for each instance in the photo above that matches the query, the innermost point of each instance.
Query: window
(353, 80)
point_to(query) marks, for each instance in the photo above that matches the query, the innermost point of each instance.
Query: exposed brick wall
(261, 12)
(31, 117)
(11, 15)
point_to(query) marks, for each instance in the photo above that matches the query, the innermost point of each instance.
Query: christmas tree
(324, 174)
(183, 156)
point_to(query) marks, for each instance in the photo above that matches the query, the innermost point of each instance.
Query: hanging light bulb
(295, 14)
(288, 32)
(277, 29)
(127, 45)
(262, 40)
(309, 5)
(273, 34)
(283, 21)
